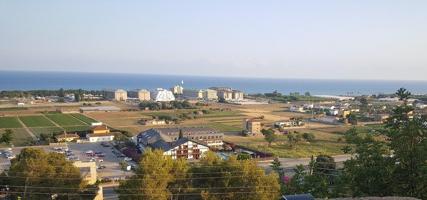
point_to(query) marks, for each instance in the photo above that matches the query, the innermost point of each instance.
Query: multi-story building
(252, 126)
(237, 95)
(210, 95)
(120, 95)
(182, 148)
(228, 94)
(193, 94)
(202, 134)
(177, 89)
(162, 95)
(144, 95)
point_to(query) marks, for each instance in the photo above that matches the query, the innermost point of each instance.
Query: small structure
(99, 109)
(67, 137)
(87, 171)
(153, 122)
(252, 126)
(296, 108)
(100, 133)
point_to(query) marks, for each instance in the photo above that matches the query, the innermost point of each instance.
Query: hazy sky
(339, 39)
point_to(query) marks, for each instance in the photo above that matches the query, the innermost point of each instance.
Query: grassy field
(76, 128)
(65, 120)
(83, 118)
(36, 121)
(46, 130)
(20, 137)
(9, 122)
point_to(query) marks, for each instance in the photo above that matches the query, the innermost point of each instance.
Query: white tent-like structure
(162, 95)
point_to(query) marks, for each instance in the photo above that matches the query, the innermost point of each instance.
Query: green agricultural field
(36, 121)
(9, 122)
(224, 127)
(65, 120)
(76, 128)
(46, 130)
(215, 114)
(20, 137)
(83, 118)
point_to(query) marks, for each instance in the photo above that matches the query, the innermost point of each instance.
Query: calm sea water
(54, 80)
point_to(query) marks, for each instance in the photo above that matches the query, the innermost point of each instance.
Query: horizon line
(208, 76)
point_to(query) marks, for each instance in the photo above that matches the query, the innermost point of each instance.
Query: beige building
(209, 94)
(177, 89)
(87, 171)
(237, 95)
(144, 95)
(252, 126)
(120, 95)
(225, 94)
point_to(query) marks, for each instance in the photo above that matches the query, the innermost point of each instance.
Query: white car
(127, 159)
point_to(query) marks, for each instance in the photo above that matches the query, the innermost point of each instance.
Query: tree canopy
(35, 174)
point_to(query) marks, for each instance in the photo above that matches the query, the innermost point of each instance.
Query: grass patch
(65, 120)
(46, 130)
(9, 122)
(36, 121)
(13, 109)
(214, 114)
(83, 118)
(20, 137)
(224, 127)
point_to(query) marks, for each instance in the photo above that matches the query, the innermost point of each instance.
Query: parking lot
(107, 158)
(110, 160)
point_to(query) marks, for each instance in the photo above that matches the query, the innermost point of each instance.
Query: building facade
(120, 95)
(177, 89)
(162, 95)
(210, 95)
(192, 94)
(144, 95)
(185, 148)
(208, 136)
(252, 126)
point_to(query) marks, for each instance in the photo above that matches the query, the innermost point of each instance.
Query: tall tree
(233, 179)
(44, 174)
(7, 136)
(154, 175)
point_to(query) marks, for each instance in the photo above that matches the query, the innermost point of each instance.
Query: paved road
(293, 162)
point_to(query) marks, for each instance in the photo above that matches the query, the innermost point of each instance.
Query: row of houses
(164, 95)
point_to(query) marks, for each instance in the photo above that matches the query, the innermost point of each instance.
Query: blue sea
(14, 80)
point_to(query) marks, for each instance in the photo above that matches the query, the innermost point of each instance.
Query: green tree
(270, 138)
(43, 175)
(293, 139)
(7, 136)
(233, 179)
(276, 165)
(153, 176)
(309, 137)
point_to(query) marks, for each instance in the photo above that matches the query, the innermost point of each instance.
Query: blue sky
(358, 39)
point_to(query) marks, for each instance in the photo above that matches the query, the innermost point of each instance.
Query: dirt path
(54, 123)
(27, 129)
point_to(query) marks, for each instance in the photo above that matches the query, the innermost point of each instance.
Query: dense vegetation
(152, 105)
(389, 162)
(44, 93)
(35, 174)
(293, 96)
(160, 177)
